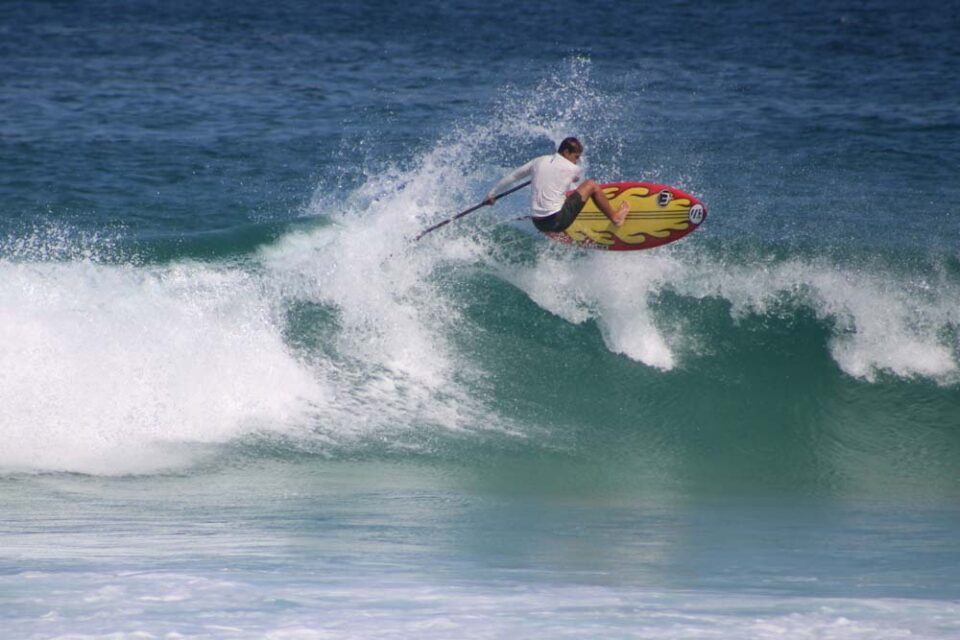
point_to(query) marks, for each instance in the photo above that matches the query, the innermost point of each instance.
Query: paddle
(470, 210)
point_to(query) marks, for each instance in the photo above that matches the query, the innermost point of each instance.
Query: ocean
(238, 401)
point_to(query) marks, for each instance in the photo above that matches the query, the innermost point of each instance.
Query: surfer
(551, 175)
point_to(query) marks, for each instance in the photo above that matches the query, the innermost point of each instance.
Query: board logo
(696, 214)
(664, 198)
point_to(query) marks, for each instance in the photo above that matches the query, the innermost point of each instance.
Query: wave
(336, 335)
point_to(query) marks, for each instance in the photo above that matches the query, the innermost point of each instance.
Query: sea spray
(394, 323)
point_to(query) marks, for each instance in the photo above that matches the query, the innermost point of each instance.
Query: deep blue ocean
(237, 401)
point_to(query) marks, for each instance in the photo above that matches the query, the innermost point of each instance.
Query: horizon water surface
(236, 401)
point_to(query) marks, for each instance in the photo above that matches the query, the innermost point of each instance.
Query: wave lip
(881, 321)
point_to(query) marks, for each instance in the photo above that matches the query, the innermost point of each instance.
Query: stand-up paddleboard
(658, 215)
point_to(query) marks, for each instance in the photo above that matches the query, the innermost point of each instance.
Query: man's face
(572, 156)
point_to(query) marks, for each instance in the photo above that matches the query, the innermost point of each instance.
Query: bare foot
(621, 216)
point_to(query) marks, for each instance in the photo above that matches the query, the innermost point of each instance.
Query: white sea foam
(130, 605)
(101, 366)
(389, 360)
(612, 289)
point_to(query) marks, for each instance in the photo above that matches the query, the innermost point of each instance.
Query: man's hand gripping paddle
(470, 210)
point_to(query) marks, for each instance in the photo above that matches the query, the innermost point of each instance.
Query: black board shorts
(561, 219)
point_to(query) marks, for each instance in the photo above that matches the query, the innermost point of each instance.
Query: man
(552, 175)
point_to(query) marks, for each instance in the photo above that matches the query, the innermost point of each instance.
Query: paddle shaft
(470, 210)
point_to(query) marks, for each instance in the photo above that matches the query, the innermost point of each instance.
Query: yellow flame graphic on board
(648, 217)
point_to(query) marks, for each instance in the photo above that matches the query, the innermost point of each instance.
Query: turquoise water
(237, 402)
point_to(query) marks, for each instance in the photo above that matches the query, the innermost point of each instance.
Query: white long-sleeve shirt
(551, 175)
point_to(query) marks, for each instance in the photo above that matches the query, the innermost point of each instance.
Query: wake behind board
(658, 215)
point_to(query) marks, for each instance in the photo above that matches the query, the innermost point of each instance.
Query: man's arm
(517, 174)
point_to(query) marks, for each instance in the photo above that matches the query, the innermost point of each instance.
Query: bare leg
(590, 189)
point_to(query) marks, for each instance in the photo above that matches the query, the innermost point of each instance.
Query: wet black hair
(570, 144)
